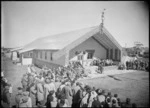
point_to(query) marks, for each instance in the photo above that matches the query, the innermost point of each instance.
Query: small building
(82, 45)
(15, 53)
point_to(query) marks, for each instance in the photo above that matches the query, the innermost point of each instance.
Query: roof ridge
(69, 31)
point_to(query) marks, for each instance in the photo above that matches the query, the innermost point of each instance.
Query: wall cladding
(89, 44)
(41, 63)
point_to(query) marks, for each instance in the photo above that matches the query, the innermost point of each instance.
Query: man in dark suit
(67, 91)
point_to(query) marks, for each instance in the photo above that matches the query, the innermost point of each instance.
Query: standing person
(76, 90)
(33, 69)
(24, 82)
(10, 89)
(62, 102)
(18, 96)
(91, 97)
(128, 103)
(40, 92)
(108, 103)
(51, 100)
(101, 97)
(25, 101)
(30, 81)
(28, 69)
(67, 91)
(6, 96)
(95, 103)
(48, 86)
(33, 94)
(115, 97)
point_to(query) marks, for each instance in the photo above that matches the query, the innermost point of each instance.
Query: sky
(23, 22)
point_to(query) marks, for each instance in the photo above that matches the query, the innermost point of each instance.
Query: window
(116, 53)
(107, 53)
(90, 54)
(36, 54)
(18, 55)
(51, 58)
(30, 54)
(45, 55)
(119, 55)
(80, 57)
(111, 54)
(41, 54)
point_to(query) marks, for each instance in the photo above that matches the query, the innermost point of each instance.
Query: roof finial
(102, 23)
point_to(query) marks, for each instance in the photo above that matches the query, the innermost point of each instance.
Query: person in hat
(92, 95)
(28, 69)
(51, 100)
(18, 96)
(95, 103)
(25, 100)
(48, 86)
(128, 103)
(114, 103)
(32, 93)
(76, 91)
(108, 103)
(40, 92)
(101, 97)
(6, 96)
(24, 82)
(84, 100)
(10, 88)
(33, 68)
(67, 91)
(30, 81)
(115, 97)
(62, 102)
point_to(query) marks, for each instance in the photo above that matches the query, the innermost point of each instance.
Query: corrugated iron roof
(57, 41)
(60, 41)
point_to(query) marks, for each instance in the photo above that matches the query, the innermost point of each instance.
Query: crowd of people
(103, 62)
(39, 90)
(137, 65)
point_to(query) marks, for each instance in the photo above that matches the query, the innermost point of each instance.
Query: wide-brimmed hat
(99, 91)
(25, 96)
(20, 90)
(47, 80)
(68, 84)
(81, 84)
(26, 93)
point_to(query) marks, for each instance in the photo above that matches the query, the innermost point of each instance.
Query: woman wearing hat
(40, 92)
(6, 96)
(48, 86)
(24, 82)
(33, 94)
(25, 100)
(67, 91)
(18, 96)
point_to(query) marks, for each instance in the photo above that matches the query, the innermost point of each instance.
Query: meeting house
(81, 45)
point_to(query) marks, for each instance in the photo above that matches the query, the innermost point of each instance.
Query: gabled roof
(68, 40)
(16, 49)
(58, 41)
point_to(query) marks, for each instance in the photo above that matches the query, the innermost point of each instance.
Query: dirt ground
(134, 85)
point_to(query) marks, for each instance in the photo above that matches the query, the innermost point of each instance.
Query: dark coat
(67, 91)
(6, 96)
(96, 104)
